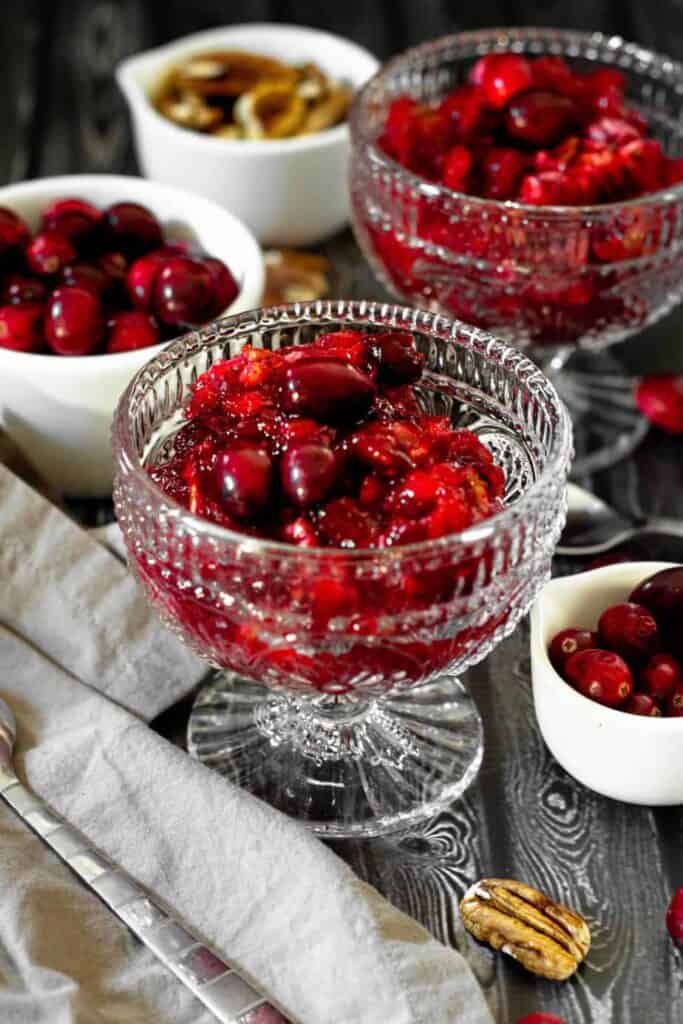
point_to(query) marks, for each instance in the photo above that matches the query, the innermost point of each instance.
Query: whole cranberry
(540, 1018)
(140, 278)
(629, 629)
(225, 287)
(307, 473)
(244, 480)
(114, 265)
(568, 642)
(182, 292)
(464, 108)
(131, 330)
(601, 675)
(659, 676)
(399, 361)
(49, 252)
(674, 702)
(20, 288)
(72, 218)
(662, 594)
(328, 390)
(21, 327)
(86, 275)
(641, 704)
(501, 171)
(540, 118)
(74, 322)
(14, 233)
(502, 76)
(132, 228)
(660, 399)
(674, 918)
(456, 168)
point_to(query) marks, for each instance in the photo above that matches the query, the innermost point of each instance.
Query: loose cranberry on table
(660, 399)
(540, 1018)
(101, 281)
(674, 918)
(326, 445)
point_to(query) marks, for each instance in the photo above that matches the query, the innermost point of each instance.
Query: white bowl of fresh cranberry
(607, 672)
(97, 272)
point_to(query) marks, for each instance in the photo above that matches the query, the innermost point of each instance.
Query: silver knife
(230, 997)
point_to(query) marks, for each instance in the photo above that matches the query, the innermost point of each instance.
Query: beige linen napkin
(246, 879)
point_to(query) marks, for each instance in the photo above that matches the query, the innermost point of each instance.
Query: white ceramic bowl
(59, 409)
(288, 191)
(627, 757)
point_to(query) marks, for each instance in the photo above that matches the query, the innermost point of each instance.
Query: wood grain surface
(524, 817)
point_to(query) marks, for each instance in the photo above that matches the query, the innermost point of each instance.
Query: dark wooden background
(524, 817)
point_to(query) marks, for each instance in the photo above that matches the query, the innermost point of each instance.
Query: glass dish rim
(423, 321)
(361, 139)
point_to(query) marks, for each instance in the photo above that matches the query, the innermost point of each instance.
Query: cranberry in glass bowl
(332, 658)
(552, 270)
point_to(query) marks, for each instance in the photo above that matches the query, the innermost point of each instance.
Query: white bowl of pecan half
(606, 637)
(246, 126)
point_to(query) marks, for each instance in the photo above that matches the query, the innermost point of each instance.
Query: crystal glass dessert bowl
(550, 279)
(336, 696)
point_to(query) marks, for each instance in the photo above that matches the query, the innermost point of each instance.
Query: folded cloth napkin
(84, 666)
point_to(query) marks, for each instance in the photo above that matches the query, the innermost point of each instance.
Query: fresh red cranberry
(21, 327)
(464, 109)
(660, 399)
(662, 594)
(225, 288)
(308, 473)
(674, 702)
(399, 361)
(629, 629)
(555, 75)
(328, 390)
(601, 675)
(244, 480)
(86, 275)
(74, 321)
(140, 278)
(568, 642)
(49, 252)
(131, 330)
(114, 265)
(540, 1018)
(539, 118)
(501, 171)
(182, 292)
(641, 704)
(73, 218)
(502, 76)
(14, 233)
(132, 228)
(456, 168)
(19, 288)
(674, 918)
(659, 676)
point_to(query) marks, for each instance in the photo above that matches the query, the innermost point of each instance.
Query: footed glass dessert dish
(560, 282)
(336, 694)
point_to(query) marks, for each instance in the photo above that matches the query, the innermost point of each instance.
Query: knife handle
(230, 997)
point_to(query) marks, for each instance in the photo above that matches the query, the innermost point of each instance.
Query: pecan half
(546, 938)
(271, 110)
(295, 276)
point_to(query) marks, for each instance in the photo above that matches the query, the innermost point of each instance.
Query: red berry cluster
(93, 281)
(325, 445)
(531, 130)
(627, 663)
(660, 399)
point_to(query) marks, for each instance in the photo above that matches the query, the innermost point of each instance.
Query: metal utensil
(593, 527)
(217, 984)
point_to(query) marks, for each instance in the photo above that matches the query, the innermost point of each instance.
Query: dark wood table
(524, 817)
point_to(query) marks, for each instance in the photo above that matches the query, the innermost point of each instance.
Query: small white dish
(58, 409)
(626, 757)
(288, 191)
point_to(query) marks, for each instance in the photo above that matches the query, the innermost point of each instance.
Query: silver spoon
(226, 993)
(593, 527)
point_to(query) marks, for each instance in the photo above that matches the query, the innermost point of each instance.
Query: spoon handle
(217, 984)
(666, 525)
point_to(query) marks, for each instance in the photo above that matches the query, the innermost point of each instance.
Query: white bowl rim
(613, 716)
(137, 96)
(63, 183)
